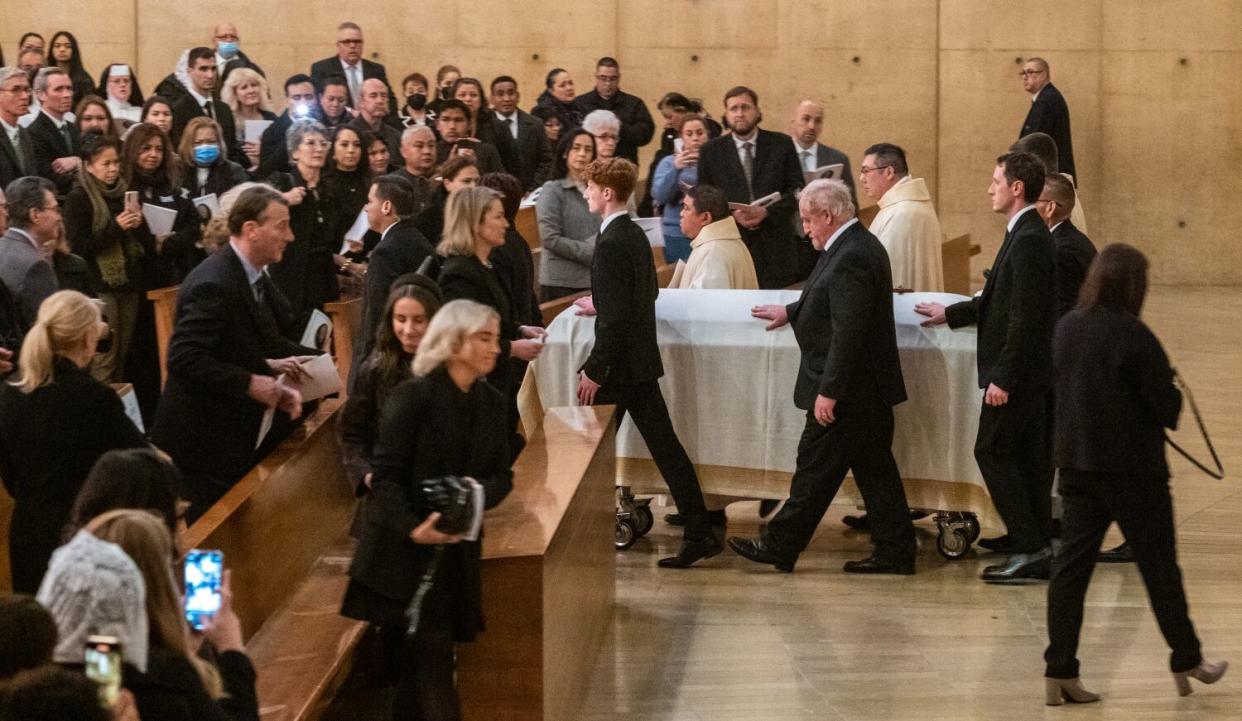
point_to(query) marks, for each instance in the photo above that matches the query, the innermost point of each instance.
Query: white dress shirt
(510, 122)
(604, 225)
(1014, 220)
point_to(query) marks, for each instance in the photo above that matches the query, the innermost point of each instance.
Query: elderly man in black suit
(534, 150)
(848, 382)
(349, 64)
(16, 146)
(199, 100)
(34, 219)
(225, 353)
(637, 127)
(624, 366)
(229, 56)
(1016, 315)
(749, 164)
(56, 140)
(1049, 113)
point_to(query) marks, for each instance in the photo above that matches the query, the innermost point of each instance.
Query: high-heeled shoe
(1059, 690)
(1206, 672)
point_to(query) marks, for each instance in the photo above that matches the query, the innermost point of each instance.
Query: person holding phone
(444, 422)
(676, 174)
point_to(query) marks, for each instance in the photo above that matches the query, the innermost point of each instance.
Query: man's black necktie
(209, 110)
(64, 132)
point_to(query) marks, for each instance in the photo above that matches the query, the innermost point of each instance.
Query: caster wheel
(953, 544)
(644, 519)
(625, 535)
(972, 528)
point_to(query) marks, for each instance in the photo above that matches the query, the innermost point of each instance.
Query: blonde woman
(178, 685)
(55, 422)
(444, 422)
(248, 96)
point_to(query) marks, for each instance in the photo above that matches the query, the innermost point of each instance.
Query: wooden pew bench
(955, 255)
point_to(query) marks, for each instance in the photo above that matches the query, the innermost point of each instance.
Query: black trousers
(1012, 453)
(1143, 509)
(861, 440)
(645, 403)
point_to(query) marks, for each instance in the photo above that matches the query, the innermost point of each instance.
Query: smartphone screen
(678, 144)
(103, 666)
(131, 199)
(204, 575)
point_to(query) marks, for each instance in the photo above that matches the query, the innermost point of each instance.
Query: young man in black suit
(748, 164)
(1016, 315)
(57, 144)
(1049, 112)
(199, 100)
(848, 382)
(637, 127)
(349, 64)
(534, 150)
(300, 104)
(624, 366)
(224, 356)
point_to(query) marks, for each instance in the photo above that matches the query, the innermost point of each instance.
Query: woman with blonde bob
(178, 684)
(443, 422)
(248, 96)
(55, 422)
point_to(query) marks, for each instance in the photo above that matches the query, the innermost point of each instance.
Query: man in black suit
(224, 356)
(229, 56)
(334, 109)
(453, 124)
(1075, 251)
(748, 164)
(199, 100)
(57, 143)
(1015, 315)
(349, 64)
(534, 150)
(300, 104)
(16, 146)
(418, 152)
(1049, 113)
(637, 127)
(805, 127)
(402, 249)
(848, 382)
(624, 366)
(373, 113)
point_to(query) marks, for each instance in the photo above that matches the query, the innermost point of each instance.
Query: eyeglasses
(349, 42)
(311, 143)
(20, 90)
(1048, 200)
(51, 208)
(1024, 73)
(227, 38)
(606, 137)
(864, 169)
(608, 78)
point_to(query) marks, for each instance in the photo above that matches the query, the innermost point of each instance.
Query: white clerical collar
(611, 218)
(1014, 220)
(252, 273)
(840, 230)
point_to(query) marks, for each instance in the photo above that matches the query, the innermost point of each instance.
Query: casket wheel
(625, 535)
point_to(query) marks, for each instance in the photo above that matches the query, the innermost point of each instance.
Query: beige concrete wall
(1153, 87)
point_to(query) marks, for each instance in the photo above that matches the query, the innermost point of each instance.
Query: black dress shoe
(1120, 554)
(863, 523)
(1000, 544)
(718, 519)
(875, 564)
(767, 506)
(1021, 566)
(755, 550)
(692, 552)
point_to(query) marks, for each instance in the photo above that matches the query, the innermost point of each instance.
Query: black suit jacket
(187, 108)
(637, 127)
(49, 144)
(1016, 313)
(1075, 252)
(514, 260)
(773, 245)
(1115, 395)
(1049, 114)
(273, 153)
(534, 152)
(401, 251)
(323, 69)
(221, 337)
(13, 164)
(624, 287)
(486, 156)
(464, 277)
(844, 326)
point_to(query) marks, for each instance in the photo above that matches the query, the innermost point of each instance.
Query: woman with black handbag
(411, 569)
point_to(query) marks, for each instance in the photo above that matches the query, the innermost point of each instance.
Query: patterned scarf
(111, 260)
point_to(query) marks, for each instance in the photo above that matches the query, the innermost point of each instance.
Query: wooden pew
(548, 575)
(164, 301)
(535, 254)
(552, 308)
(955, 255)
(528, 225)
(664, 274)
(867, 214)
(346, 318)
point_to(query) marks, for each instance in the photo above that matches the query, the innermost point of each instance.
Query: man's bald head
(374, 96)
(225, 29)
(807, 123)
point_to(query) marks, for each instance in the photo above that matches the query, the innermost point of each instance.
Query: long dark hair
(564, 144)
(168, 175)
(75, 58)
(390, 360)
(130, 478)
(1118, 276)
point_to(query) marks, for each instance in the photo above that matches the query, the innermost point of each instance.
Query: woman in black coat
(1115, 397)
(444, 422)
(55, 422)
(348, 180)
(202, 155)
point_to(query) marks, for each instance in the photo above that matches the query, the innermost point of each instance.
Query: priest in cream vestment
(718, 257)
(906, 224)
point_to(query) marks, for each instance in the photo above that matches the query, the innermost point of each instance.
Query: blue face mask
(227, 50)
(205, 155)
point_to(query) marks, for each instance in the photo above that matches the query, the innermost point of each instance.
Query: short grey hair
(298, 132)
(597, 121)
(41, 78)
(408, 134)
(828, 196)
(24, 195)
(8, 73)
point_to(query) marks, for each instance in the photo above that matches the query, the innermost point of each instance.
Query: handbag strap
(1219, 473)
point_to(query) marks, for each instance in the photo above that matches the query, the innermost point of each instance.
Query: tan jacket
(908, 228)
(718, 259)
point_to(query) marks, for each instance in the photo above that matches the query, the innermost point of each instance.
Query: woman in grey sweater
(567, 229)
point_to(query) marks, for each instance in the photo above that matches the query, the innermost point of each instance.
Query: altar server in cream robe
(906, 225)
(718, 257)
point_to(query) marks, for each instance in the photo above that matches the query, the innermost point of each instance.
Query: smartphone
(468, 143)
(678, 144)
(204, 578)
(103, 666)
(131, 199)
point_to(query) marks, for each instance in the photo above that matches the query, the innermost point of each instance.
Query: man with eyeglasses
(16, 146)
(34, 219)
(637, 127)
(349, 63)
(1075, 251)
(1049, 113)
(229, 57)
(906, 224)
